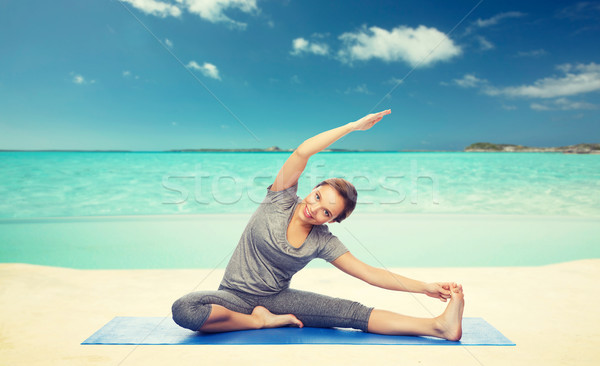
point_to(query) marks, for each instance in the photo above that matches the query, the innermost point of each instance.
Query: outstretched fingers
(369, 120)
(379, 116)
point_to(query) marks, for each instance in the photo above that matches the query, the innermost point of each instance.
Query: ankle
(439, 326)
(258, 321)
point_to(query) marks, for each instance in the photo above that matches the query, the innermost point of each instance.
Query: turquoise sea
(158, 209)
(66, 184)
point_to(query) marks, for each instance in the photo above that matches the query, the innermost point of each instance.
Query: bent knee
(179, 309)
(190, 314)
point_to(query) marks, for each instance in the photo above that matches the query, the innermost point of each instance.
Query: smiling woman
(282, 237)
(334, 197)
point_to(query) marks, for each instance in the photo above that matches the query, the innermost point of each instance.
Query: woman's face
(321, 206)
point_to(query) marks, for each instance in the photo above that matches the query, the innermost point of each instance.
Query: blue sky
(171, 74)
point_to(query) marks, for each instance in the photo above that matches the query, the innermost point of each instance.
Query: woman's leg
(222, 311)
(224, 320)
(447, 326)
(316, 310)
(194, 310)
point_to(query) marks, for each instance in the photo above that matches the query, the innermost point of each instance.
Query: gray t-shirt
(264, 261)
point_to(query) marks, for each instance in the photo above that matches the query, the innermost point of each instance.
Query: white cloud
(415, 46)
(320, 35)
(301, 45)
(580, 10)
(210, 10)
(394, 81)
(532, 53)
(482, 23)
(168, 43)
(469, 81)
(578, 79)
(208, 69)
(562, 104)
(484, 44)
(539, 107)
(213, 10)
(295, 79)
(80, 80)
(591, 67)
(361, 89)
(154, 7)
(127, 74)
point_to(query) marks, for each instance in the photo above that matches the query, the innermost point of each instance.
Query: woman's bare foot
(269, 320)
(450, 322)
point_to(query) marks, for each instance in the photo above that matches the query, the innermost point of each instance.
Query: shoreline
(202, 241)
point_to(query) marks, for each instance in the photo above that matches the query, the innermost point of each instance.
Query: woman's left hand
(369, 120)
(438, 290)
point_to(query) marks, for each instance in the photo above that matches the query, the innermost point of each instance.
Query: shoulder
(282, 199)
(322, 233)
(293, 188)
(330, 246)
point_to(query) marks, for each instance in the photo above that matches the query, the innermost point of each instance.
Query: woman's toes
(298, 323)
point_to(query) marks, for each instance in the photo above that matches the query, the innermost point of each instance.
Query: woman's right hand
(439, 290)
(369, 120)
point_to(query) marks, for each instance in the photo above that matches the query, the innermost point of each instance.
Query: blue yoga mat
(156, 331)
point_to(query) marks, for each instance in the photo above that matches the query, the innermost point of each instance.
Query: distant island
(571, 149)
(476, 147)
(269, 149)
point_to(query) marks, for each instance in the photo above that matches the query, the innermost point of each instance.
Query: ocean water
(74, 184)
(187, 210)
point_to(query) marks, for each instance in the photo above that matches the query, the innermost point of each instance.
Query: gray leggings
(313, 310)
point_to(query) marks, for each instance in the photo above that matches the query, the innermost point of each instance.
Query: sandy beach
(550, 312)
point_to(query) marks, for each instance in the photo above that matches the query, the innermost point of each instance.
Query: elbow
(302, 153)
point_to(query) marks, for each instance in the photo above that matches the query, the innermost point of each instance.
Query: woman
(282, 236)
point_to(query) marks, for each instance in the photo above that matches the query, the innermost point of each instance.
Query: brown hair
(348, 193)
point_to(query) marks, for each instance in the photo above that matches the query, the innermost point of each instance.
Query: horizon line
(218, 150)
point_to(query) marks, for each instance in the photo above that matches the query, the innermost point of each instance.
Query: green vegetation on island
(476, 147)
(571, 149)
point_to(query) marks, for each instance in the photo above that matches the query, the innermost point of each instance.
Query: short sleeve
(333, 249)
(283, 199)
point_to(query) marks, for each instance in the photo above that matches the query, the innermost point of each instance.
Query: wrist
(350, 126)
(421, 287)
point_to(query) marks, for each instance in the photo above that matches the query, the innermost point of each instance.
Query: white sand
(550, 312)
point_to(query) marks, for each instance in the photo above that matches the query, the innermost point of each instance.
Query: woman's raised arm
(292, 169)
